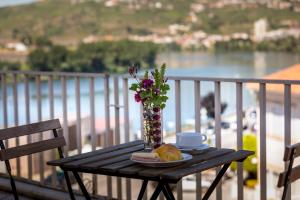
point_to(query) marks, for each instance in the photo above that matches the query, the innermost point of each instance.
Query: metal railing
(14, 84)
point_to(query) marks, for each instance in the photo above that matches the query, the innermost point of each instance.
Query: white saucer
(195, 148)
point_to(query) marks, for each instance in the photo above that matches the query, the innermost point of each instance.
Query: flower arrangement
(151, 92)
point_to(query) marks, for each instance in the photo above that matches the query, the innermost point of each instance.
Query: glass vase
(152, 128)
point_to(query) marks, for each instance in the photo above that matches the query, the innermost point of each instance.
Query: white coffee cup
(190, 139)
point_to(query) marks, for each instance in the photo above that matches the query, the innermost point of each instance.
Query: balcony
(97, 110)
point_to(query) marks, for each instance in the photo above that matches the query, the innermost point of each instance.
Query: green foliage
(8, 66)
(151, 91)
(288, 44)
(235, 44)
(94, 57)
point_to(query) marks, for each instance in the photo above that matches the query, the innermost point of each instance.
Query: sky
(4, 3)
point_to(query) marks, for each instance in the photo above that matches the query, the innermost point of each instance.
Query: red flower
(156, 109)
(156, 117)
(137, 97)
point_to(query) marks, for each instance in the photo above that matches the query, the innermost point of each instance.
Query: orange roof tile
(290, 73)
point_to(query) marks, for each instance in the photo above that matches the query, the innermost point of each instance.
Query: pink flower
(137, 97)
(147, 83)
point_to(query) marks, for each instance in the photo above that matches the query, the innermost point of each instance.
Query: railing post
(107, 128)
(239, 138)
(117, 128)
(92, 127)
(126, 130)
(16, 117)
(287, 125)
(198, 129)
(39, 112)
(27, 110)
(262, 142)
(65, 113)
(51, 115)
(4, 103)
(78, 114)
(218, 129)
(178, 126)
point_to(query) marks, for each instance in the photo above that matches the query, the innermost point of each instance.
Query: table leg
(81, 185)
(143, 189)
(157, 190)
(67, 178)
(168, 192)
(216, 181)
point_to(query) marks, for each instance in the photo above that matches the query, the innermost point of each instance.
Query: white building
(260, 29)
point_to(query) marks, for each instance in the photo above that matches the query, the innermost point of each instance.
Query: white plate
(185, 156)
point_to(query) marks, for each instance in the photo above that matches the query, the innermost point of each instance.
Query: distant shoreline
(8, 3)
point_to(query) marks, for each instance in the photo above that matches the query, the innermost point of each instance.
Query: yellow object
(168, 152)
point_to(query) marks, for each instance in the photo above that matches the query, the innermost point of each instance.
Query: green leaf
(134, 87)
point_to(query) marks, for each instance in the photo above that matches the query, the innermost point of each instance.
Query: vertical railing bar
(65, 113)
(39, 112)
(262, 141)
(198, 129)
(178, 126)
(287, 125)
(117, 128)
(51, 115)
(126, 130)
(4, 103)
(93, 128)
(27, 113)
(78, 114)
(218, 130)
(239, 135)
(16, 117)
(145, 197)
(107, 128)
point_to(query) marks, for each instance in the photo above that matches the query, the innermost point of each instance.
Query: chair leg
(13, 186)
(81, 185)
(69, 185)
(285, 190)
(12, 181)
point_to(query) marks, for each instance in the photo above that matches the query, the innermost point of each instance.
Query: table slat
(153, 172)
(102, 157)
(97, 164)
(94, 153)
(116, 166)
(234, 156)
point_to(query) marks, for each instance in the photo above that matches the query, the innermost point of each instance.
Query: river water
(204, 64)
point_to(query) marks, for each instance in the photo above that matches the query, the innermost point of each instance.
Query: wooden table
(115, 161)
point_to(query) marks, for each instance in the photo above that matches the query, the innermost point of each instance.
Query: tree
(208, 102)
(38, 60)
(43, 41)
(57, 56)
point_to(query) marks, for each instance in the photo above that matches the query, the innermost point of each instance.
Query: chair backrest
(292, 173)
(35, 147)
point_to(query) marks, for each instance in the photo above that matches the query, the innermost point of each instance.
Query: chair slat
(289, 149)
(32, 148)
(295, 174)
(29, 129)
